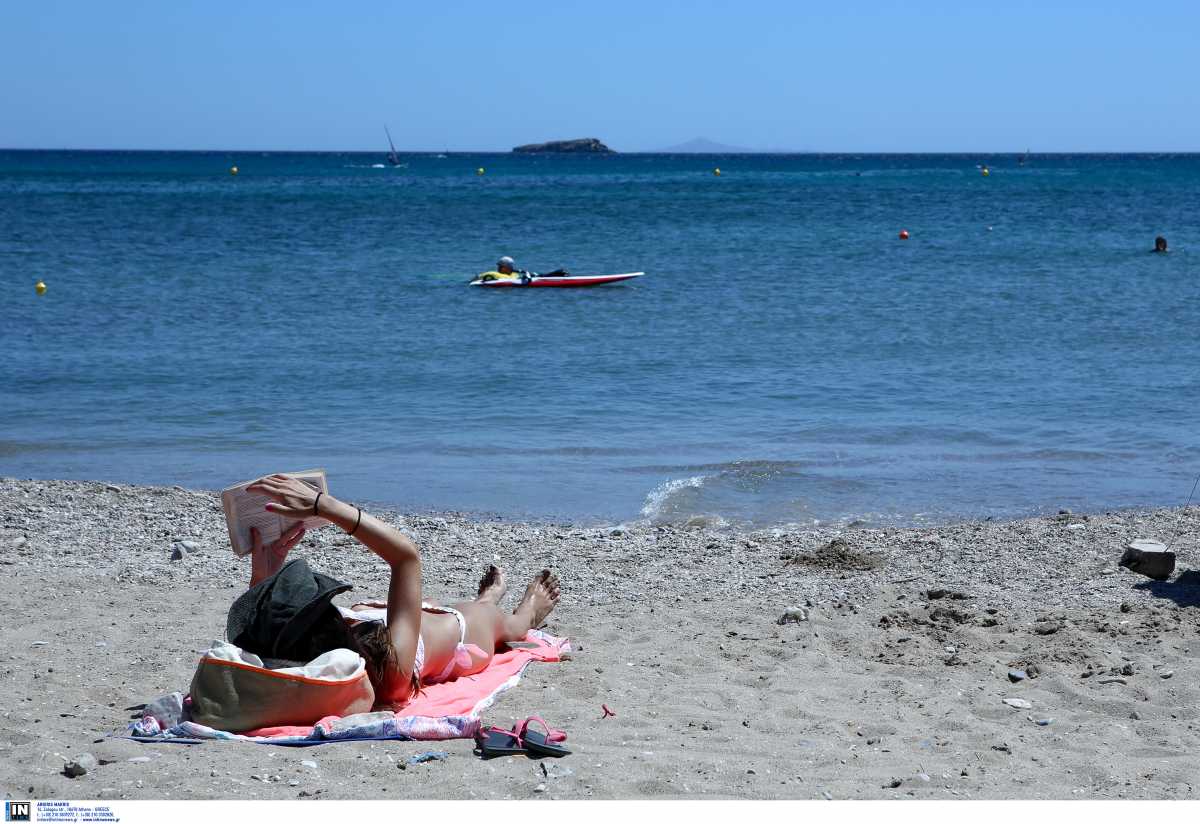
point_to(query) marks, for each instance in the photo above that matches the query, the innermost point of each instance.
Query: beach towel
(451, 709)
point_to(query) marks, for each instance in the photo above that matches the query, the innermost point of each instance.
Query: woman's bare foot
(539, 599)
(492, 585)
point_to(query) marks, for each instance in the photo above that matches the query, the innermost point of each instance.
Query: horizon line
(964, 152)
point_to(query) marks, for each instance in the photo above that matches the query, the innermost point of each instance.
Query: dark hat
(289, 615)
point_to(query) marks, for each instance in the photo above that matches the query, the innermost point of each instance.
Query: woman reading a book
(419, 643)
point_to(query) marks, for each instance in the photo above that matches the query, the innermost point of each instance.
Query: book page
(244, 510)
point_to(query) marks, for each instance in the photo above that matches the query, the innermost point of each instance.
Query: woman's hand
(291, 498)
(266, 561)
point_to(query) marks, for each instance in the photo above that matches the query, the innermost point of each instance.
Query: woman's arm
(295, 499)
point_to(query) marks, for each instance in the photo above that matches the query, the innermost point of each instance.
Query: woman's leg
(488, 625)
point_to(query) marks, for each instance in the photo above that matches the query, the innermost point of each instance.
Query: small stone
(189, 546)
(1016, 675)
(177, 553)
(1107, 571)
(950, 648)
(81, 765)
(1165, 675)
(827, 795)
(1127, 669)
(39, 643)
(1033, 670)
(111, 488)
(793, 615)
(923, 777)
(751, 772)
(293, 783)
(1046, 627)
(1135, 715)
(1018, 703)
(312, 765)
(893, 784)
(540, 788)
(872, 741)
(1126, 606)
(1043, 722)
(139, 759)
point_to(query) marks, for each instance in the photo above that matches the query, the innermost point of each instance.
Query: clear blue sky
(842, 76)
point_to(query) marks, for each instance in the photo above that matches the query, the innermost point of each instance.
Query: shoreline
(892, 686)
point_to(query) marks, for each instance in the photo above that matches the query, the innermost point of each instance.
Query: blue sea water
(787, 359)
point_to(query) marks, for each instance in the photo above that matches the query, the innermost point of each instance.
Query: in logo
(17, 810)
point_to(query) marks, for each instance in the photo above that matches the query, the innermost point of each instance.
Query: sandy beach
(889, 682)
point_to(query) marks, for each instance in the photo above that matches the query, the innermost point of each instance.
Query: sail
(393, 158)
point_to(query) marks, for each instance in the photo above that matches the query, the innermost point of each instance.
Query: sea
(787, 359)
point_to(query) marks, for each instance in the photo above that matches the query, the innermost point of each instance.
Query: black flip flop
(495, 742)
(538, 743)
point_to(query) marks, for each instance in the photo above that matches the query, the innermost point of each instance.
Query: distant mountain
(702, 145)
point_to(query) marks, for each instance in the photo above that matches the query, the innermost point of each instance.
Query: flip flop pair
(521, 740)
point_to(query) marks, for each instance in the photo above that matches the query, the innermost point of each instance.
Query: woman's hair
(373, 644)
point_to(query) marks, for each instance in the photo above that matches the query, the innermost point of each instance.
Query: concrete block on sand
(1149, 558)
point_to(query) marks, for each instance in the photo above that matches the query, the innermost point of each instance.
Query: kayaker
(504, 271)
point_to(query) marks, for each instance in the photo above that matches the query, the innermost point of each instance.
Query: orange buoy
(904, 234)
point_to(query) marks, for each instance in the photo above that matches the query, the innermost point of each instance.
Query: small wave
(660, 501)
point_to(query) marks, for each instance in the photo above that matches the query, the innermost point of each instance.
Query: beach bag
(234, 691)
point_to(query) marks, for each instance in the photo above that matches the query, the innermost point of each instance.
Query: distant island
(583, 145)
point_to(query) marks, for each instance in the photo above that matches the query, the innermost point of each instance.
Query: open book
(248, 509)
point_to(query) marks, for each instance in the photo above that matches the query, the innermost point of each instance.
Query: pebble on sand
(81, 765)
(1018, 703)
(1016, 675)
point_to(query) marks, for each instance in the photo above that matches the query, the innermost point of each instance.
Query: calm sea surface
(786, 359)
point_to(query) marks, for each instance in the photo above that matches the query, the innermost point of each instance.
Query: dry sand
(884, 691)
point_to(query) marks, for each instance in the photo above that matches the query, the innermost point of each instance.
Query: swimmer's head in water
(505, 264)
(1160, 244)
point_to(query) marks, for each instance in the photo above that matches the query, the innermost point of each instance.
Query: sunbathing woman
(417, 644)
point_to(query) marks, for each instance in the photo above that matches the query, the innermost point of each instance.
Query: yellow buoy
(40, 287)
(233, 170)
(985, 171)
(479, 171)
(717, 172)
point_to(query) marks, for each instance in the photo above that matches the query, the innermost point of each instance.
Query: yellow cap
(40, 287)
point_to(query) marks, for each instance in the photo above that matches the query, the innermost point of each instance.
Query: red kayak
(557, 281)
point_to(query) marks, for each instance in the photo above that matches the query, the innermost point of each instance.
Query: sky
(805, 76)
